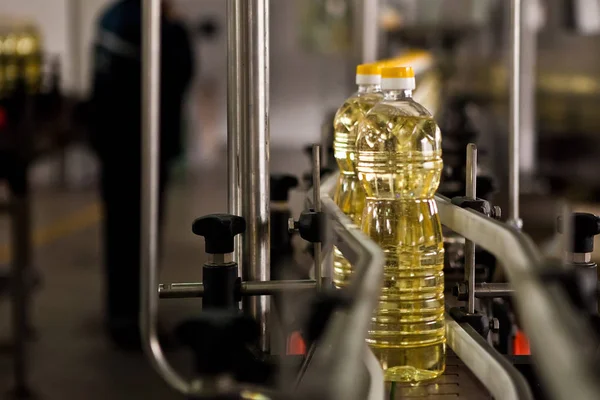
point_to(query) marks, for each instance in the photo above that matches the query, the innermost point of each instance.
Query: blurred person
(117, 138)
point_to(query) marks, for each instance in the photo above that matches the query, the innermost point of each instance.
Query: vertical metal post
(149, 201)
(527, 71)
(366, 21)
(515, 115)
(317, 203)
(248, 104)
(235, 84)
(20, 272)
(471, 186)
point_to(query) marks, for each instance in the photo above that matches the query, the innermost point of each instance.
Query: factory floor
(70, 357)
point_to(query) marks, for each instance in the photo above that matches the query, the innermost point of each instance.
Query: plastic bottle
(399, 163)
(349, 195)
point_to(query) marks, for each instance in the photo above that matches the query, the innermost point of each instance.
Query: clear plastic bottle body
(399, 165)
(349, 194)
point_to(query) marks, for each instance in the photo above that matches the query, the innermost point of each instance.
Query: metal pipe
(471, 188)
(235, 83)
(317, 207)
(515, 115)
(149, 225)
(493, 290)
(366, 30)
(251, 106)
(191, 290)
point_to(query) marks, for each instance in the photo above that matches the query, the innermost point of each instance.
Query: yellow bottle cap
(368, 69)
(397, 72)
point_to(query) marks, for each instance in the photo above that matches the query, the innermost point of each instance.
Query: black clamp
(311, 225)
(219, 231)
(481, 323)
(220, 277)
(585, 227)
(481, 206)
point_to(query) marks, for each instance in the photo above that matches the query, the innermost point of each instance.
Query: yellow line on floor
(68, 225)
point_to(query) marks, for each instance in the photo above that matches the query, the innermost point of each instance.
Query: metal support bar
(317, 206)
(493, 290)
(235, 83)
(515, 115)
(20, 269)
(248, 108)
(191, 290)
(471, 186)
(149, 224)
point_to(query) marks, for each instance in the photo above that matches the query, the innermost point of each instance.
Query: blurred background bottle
(399, 164)
(349, 195)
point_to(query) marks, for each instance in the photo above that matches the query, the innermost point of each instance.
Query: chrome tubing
(192, 290)
(248, 103)
(338, 360)
(149, 201)
(235, 84)
(514, 135)
(316, 153)
(366, 30)
(561, 339)
(471, 189)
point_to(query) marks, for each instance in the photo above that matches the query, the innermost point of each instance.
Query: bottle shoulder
(405, 107)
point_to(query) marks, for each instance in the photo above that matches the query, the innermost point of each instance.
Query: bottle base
(411, 365)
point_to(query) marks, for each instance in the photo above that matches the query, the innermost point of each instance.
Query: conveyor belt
(456, 383)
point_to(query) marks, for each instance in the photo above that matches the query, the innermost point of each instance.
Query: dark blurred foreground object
(115, 133)
(35, 121)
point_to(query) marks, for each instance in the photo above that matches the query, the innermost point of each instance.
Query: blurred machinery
(35, 121)
(248, 353)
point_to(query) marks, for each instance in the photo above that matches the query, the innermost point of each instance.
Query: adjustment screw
(496, 212)
(292, 225)
(461, 291)
(494, 325)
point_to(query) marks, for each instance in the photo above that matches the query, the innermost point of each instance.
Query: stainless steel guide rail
(562, 341)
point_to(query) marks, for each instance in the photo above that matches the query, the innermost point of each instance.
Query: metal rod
(251, 107)
(317, 207)
(235, 83)
(191, 290)
(471, 187)
(514, 136)
(149, 201)
(493, 290)
(20, 270)
(366, 30)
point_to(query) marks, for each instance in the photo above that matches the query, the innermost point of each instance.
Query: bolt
(461, 291)
(292, 225)
(496, 212)
(494, 325)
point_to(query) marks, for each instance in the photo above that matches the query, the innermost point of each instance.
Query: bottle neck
(397, 94)
(369, 88)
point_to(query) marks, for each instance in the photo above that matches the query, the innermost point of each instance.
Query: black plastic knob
(281, 186)
(218, 231)
(585, 227)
